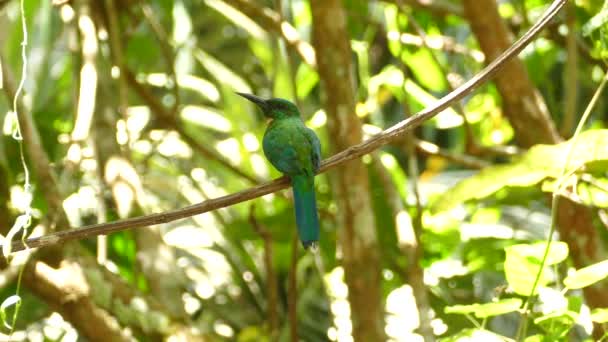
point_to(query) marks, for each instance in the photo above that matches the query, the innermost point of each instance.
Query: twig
(571, 74)
(292, 292)
(165, 47)
(271, 280)
(350, 153)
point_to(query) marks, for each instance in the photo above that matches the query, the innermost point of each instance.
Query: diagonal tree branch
(350, 153)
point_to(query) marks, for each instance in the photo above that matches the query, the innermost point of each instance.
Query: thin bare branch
(350, 153)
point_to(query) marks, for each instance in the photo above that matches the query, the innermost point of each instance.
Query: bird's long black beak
(260, 102)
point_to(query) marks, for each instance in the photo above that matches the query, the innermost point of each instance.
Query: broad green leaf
(14, 300)
(500, 307)
(557, 324)
(599, 315)
(597, 21)
(522, 264)
(306, 79)
(474, 335)
(539, 163)
(587, 275)
(535, 338)
(424, 68)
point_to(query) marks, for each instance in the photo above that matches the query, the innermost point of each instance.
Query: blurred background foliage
(135, 108)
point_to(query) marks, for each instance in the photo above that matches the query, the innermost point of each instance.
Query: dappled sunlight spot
(122, 136)
(115, 70)
(55, 329)
(173, 146)
(198, 174)
(86, 101)
(188, 236)
(118, 168)
(439, 327)
(157, 79)
(551, 300)
(318, 119)
(182, 23)
(446, 268)
(206, 117)
(10, 123)
(80, 204)
(260, 165)
(370, 130)
(74, 154)
(191, 304)
(332, 333)
(402, 314)
(223, 329)
(187, 189)
(238, 18)
(361, 110)
(405, 229)
(340, 307)
(443, 219)
(137, 119)
(124, 196)
(470, 231)
(230, 148)
(366, 159)
(125, 184)
(157, 134)
(212, 190)
(251, 142)
(142, 146)
(388, 160)
(497, 136)
(111, 266)
(200, 85)
(222, 72)
(216, 272)
(67, 13)
(205, 290)
(247, 276)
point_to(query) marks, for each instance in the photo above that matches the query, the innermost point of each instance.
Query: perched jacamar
(295, 150)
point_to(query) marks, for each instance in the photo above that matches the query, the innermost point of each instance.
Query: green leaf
(599, 315)
(13, 300)
(587, 275)
(474, 335)
(522, 264)
(557, 324)
(424, 68)
(539, 163)
(597, 21)
(306, 79)
(500, 307)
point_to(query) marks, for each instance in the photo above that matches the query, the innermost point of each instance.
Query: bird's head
(273, 108)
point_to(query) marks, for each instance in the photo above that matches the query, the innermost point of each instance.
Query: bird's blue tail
(307, 218)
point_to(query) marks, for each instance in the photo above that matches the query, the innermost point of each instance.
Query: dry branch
(351, 153)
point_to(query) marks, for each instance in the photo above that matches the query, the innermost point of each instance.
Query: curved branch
(350, 153)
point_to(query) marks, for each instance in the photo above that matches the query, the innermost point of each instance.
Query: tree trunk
(357, 234)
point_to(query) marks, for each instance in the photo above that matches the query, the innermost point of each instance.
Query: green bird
(295, 150)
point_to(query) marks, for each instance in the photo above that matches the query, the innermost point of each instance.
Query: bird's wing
(281, 153)
(312, 138)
